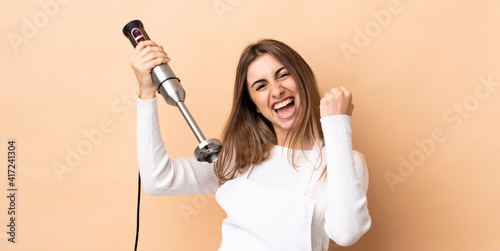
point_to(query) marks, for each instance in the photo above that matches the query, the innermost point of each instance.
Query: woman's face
(274, 93)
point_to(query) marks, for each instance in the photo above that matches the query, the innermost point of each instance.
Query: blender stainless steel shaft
(170, 88)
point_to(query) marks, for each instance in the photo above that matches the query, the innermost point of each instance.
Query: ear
(257, 109)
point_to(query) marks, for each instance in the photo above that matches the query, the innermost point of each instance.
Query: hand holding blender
(168, 85)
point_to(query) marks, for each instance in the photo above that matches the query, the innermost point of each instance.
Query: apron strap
(306, 179)
(309, 170)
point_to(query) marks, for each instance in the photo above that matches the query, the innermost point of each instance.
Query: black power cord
(138, 209)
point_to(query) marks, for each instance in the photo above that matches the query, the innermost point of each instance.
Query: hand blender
(169, 86)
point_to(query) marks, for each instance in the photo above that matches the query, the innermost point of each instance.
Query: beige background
(417, 90)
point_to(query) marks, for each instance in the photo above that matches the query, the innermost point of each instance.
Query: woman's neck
(304, 144)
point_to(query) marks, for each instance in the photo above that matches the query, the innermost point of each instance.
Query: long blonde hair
(248, 137)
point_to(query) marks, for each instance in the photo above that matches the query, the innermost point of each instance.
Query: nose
(276, 89)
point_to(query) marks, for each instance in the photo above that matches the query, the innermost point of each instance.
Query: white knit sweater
(340, 213)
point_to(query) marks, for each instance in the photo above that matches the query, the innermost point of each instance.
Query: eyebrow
(263, 80)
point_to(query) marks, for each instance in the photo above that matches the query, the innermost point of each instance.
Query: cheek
(256, 100)
(260, 102)
(291, 85)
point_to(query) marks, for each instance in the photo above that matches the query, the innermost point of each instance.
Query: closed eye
(260, 86)
(284, 75)
(281, 73)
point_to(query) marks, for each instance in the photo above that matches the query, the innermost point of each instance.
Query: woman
(287, 176)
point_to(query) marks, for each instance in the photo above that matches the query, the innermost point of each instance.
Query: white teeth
(283, 104)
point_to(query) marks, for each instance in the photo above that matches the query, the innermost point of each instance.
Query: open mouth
(285, 108)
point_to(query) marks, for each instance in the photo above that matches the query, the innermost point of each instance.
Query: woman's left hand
(337, 101)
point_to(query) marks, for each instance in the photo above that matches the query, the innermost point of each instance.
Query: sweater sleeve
(161, 175)
(346, 216)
